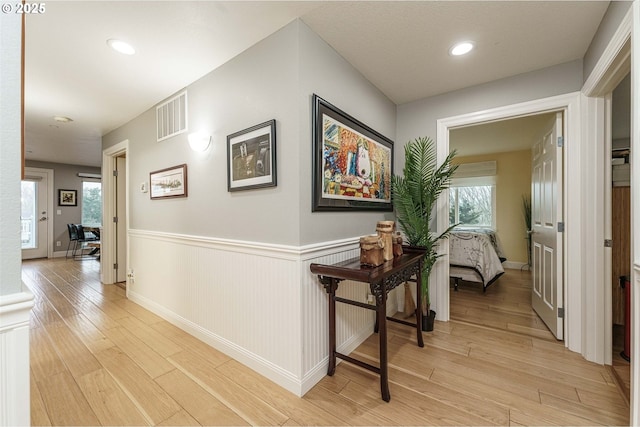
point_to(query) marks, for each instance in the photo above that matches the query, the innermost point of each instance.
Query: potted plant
(415, 194)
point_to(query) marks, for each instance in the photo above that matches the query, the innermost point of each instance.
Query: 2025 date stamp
(23, 8)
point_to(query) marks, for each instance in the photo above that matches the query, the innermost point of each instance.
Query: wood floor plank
(494, 393)
(44, 360)
(91, 336)
(491, 412)
(181, 418)
(202, 406)
(248, 406)
(607, 416)
(352, 413)
(138, 312)
(64, 401)
(39, 415)
(76, 356)
(109, 402)
(190, 343)
(144, 356)
(278, 398)
(151, 337)
(99, 318)
(149, 397)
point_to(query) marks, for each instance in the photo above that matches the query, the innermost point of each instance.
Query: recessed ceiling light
(62, 119)
(461, 48)
(120, 46)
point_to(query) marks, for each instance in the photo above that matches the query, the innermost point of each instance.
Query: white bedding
(475, 250)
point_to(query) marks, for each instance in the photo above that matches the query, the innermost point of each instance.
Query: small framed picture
(251, 157)
(67, 198)
(169, 182)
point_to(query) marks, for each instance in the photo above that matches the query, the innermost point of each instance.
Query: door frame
(108, 248)
(570, 105)
(50, 203)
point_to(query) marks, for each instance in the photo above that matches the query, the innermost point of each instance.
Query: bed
(475, 255)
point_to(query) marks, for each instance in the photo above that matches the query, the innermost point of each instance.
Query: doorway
(508, 145)
(569, 104)
(36, 222)
(121, 220)
(115, 241)
(620, 184)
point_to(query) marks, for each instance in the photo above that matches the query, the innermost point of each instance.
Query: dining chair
(73, 239)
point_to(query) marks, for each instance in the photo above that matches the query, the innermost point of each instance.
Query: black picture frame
(67, 197)
(251, 157)
(352, 163)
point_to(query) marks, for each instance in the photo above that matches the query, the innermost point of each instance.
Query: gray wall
(64, 177)
(327, 74)
(608, 26)
(419, 118)
(274, 79)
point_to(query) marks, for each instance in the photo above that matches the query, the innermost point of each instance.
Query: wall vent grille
(171, 117)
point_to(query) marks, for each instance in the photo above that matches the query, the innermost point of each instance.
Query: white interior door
(121, 224)
(34, 216)
(547, 226)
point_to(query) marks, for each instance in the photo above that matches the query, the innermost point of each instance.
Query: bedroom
(486, 198)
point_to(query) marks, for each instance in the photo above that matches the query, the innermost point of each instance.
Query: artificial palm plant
(415, 194)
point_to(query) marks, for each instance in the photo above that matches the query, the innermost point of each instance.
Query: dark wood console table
(381, 279)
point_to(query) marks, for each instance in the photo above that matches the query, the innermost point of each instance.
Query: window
(92, 203)
(472, 202)
(472, 195)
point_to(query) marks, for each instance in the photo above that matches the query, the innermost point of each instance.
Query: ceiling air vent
(171, 117)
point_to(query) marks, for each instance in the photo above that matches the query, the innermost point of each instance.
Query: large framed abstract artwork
(352, 163)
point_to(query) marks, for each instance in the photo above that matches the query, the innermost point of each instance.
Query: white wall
(233, 268)
(10, 155)
(15, 304)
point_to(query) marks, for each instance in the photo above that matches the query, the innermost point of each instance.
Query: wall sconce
(199, 141)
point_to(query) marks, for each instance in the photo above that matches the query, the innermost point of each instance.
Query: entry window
(92, 203)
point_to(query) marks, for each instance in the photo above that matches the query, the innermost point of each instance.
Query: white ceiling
(401, 47)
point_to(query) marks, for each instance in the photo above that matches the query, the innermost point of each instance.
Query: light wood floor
(99, 359)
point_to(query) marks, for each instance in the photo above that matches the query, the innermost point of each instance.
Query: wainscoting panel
(258, 303)
(245, 304)
(14, 359)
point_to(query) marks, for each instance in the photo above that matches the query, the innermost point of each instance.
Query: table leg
(419, 306)
(332, 327)
(381, 312)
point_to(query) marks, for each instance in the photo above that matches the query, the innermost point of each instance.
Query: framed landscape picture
(251, 157)
(352, 163)
(169, 182)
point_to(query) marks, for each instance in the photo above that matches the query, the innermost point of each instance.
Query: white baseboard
(515, 265)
